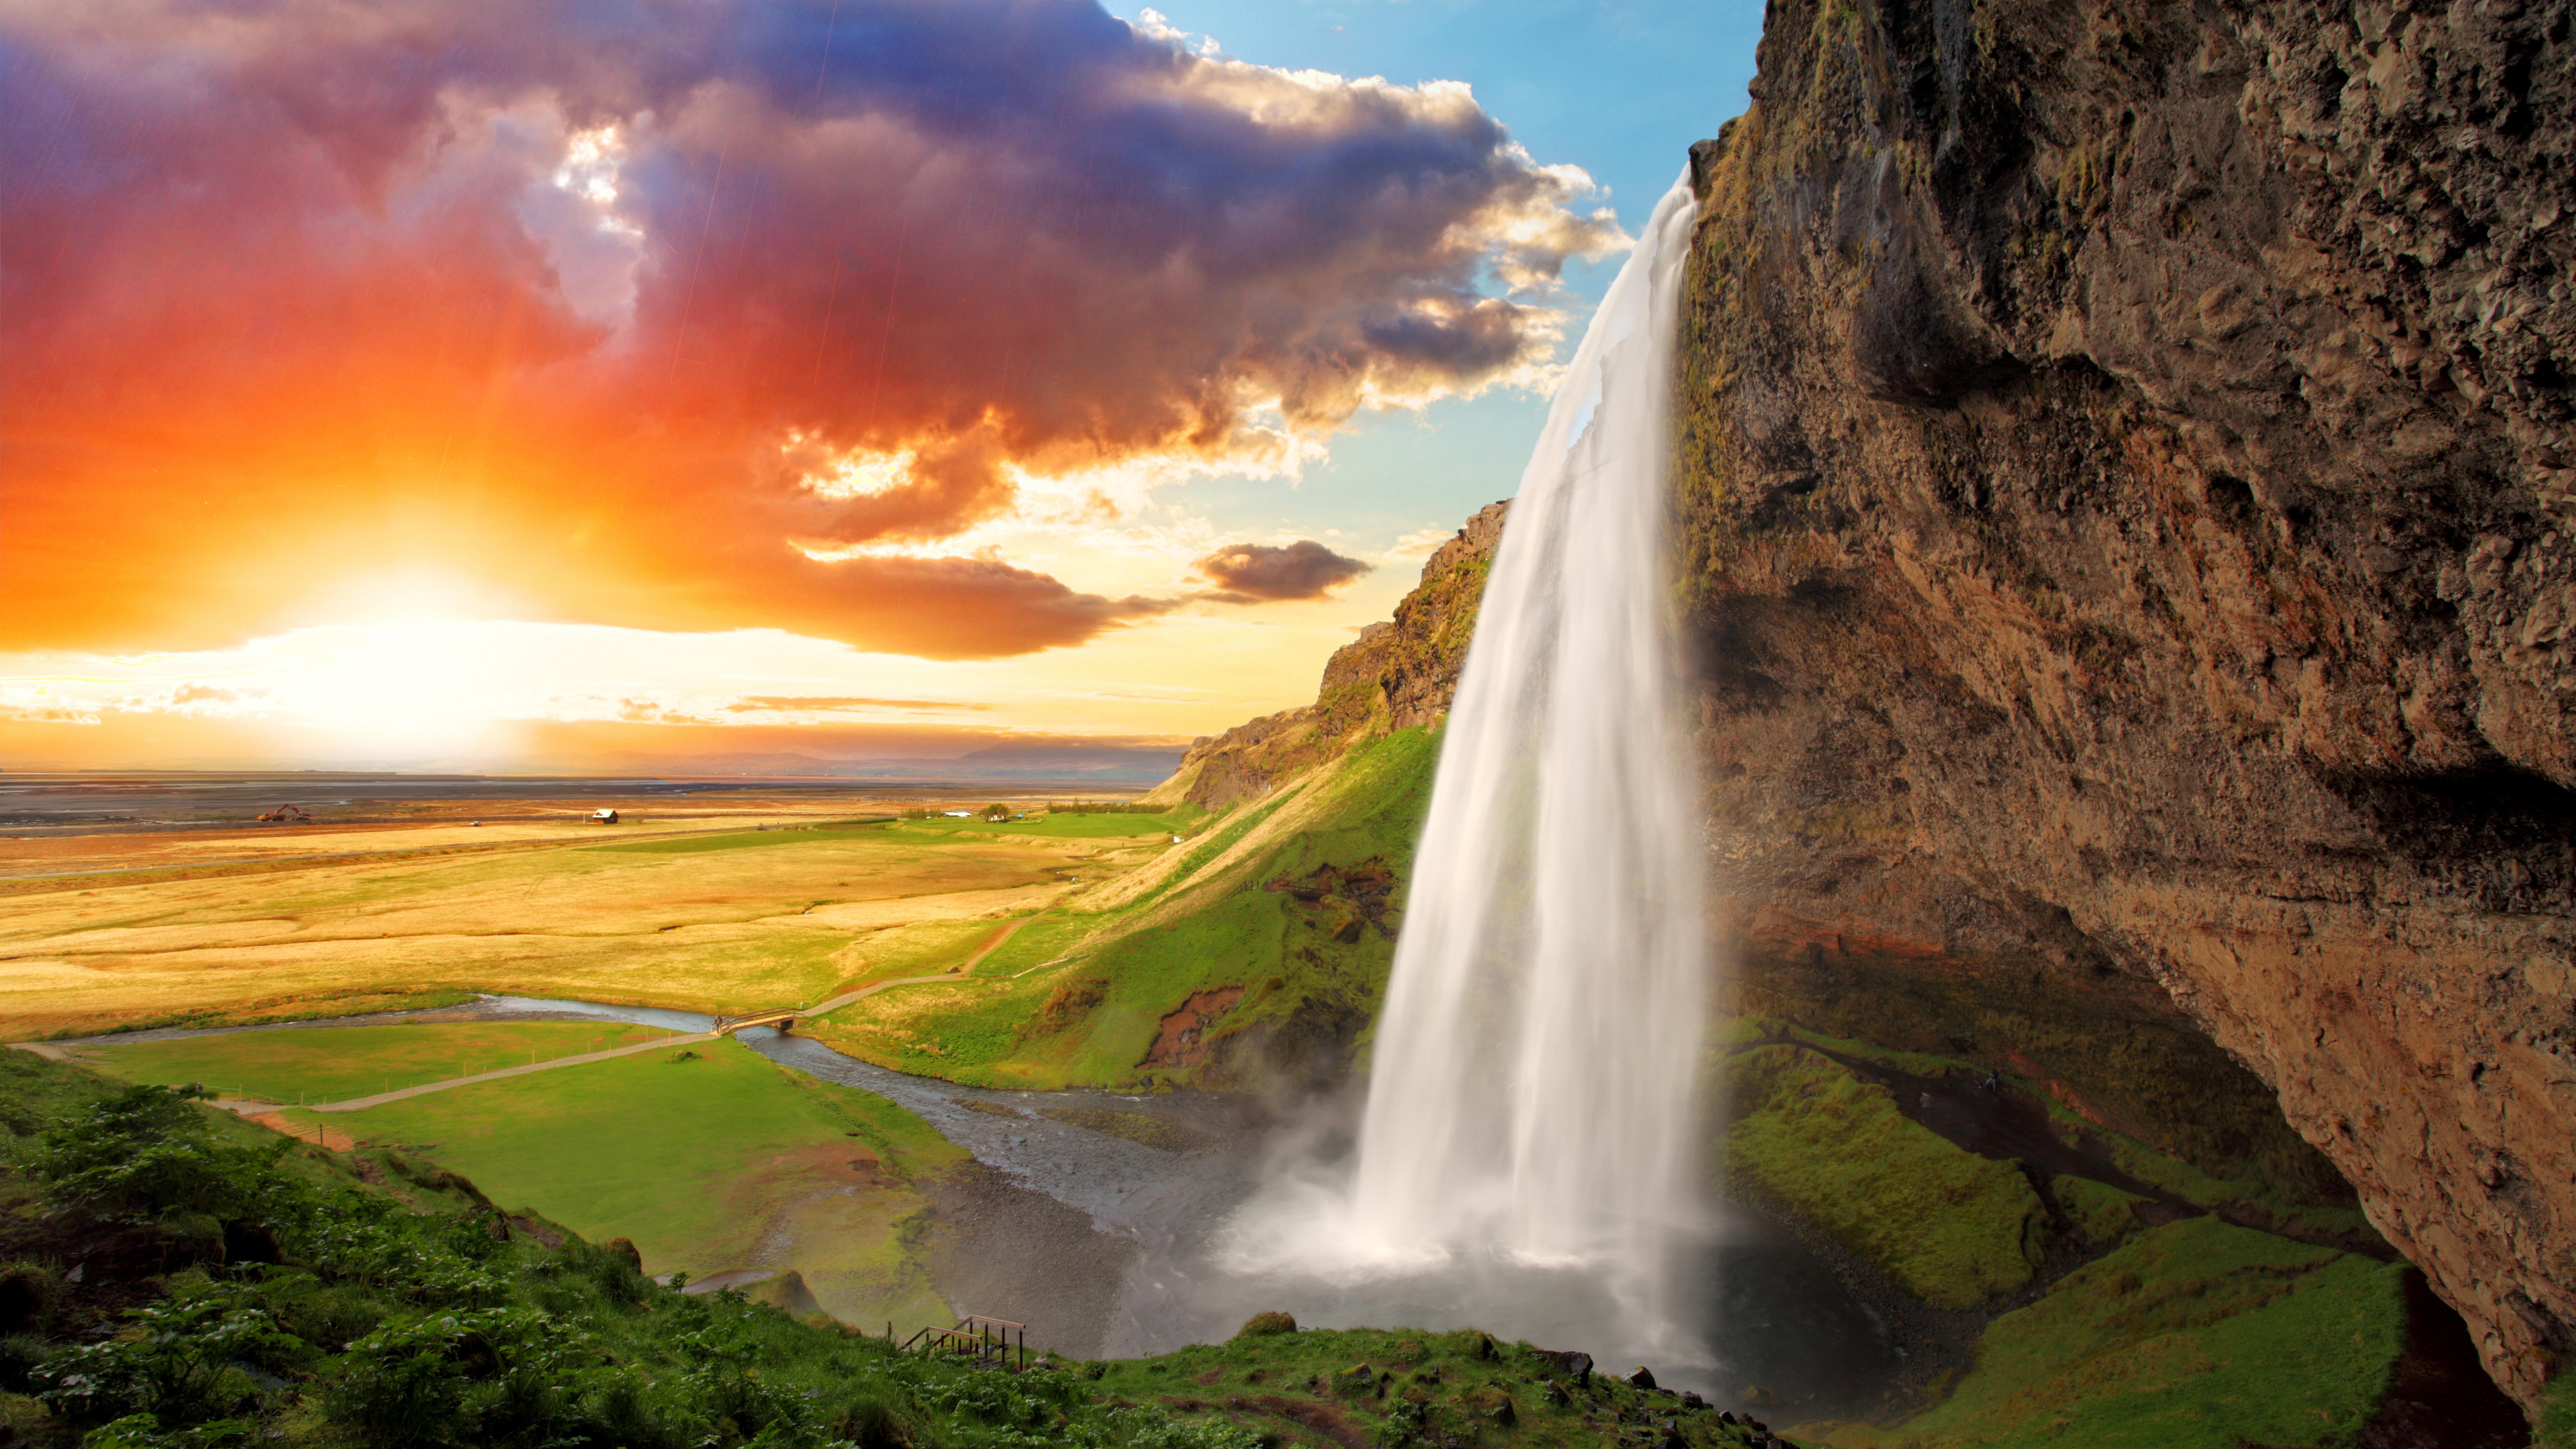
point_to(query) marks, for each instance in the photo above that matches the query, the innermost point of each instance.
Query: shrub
(28, 1293)
(142, 1155)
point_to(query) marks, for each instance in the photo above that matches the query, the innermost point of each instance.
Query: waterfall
(1535, 1069)
(1524, 1160)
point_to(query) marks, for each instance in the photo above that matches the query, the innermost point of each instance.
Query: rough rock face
(2129, 504)
(1396, 675)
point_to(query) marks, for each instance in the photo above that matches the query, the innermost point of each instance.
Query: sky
(453, 384)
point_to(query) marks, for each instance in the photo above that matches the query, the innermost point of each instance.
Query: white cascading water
(1536, 1065)
(1532, 1088)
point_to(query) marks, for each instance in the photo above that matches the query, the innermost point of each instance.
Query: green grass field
(725, 1160)
(1117, 825)
(721, 1160)
(743, 840)
(331, 1064)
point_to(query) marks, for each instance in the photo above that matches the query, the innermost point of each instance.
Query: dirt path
(360, 1104)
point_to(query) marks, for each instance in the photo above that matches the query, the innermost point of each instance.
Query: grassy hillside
(167, 1284)
(707, 1157)
(2198, 1335)
(1257, 948)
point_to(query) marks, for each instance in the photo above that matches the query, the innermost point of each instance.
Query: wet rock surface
(2130, 498)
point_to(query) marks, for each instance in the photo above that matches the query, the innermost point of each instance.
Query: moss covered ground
(1945, 1226)
(2198, 1335)
(2108, 1054)
(2557, 1426)
(2156, 1332)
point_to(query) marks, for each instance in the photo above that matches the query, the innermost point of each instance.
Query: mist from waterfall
(1532, 1088)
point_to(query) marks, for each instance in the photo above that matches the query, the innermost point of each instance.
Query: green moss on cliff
(1949, 1227)
(2174, 1108)
(2557, 1426)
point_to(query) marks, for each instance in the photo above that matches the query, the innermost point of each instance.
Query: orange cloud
(626, 308)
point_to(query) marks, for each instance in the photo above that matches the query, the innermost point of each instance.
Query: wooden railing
(993, 1342)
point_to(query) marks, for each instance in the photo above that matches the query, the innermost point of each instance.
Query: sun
(414, 593)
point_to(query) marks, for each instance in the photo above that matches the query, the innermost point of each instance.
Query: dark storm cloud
(601, 293)
(1247, 573)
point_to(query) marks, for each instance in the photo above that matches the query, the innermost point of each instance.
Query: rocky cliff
(2130, 520)
(1395, 675)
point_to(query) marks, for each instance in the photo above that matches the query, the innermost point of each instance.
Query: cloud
(627, 306)
(1247, 573)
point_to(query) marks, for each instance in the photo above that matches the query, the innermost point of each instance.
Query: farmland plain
(773, 903)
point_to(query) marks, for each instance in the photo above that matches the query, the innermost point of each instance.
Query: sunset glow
(422, 382)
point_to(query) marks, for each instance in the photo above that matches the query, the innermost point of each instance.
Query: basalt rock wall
(2128, 511)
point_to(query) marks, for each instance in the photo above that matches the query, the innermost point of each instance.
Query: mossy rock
(2105, 1215)
(28, 1294)
(1261, 1325)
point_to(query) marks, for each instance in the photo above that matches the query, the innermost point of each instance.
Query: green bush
(138, 1157)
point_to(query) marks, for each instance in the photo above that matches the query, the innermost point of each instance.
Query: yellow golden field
(778, 904)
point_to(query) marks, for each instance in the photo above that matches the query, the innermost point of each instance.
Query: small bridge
(783, 1020)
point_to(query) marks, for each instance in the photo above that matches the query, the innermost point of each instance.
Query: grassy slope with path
(330, 1064)
(400, 1310)
(724, 1160)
